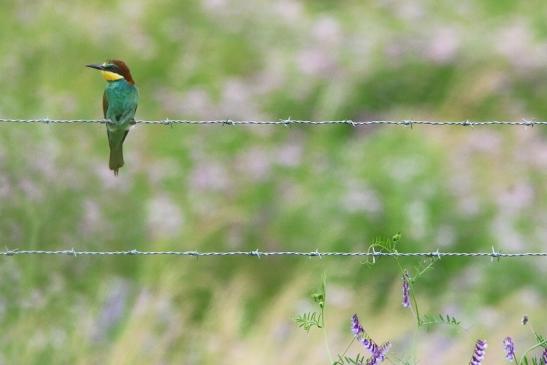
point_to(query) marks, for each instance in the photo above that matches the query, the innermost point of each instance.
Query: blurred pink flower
(33, 191)
(517, 44)
(315, 61)
(254, 163)
(289, 155)
(209, 176)
(362, 199)
(92, 218)
(444, 45)
(326, 30)
(164, 218)
(214, 4)
(288, 10)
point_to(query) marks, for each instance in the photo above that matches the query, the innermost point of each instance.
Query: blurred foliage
(222, 188)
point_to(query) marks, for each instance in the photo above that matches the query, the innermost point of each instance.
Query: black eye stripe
(112, 68)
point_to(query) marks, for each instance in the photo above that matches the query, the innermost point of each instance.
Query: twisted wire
(257, 253)
(288, 122)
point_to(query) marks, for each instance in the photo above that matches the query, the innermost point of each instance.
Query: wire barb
(317, 253)
(528, 123)
(286, 122)
(9, 252)
(350, 122)
(494, 255)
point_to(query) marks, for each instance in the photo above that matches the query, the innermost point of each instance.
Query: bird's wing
(105, 104)
(124, 136)
(133, 118)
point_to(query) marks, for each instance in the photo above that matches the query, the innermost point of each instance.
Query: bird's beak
(97, 67)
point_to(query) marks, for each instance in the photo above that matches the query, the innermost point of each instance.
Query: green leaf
(346, 360)
(429, 320)
(309, 320)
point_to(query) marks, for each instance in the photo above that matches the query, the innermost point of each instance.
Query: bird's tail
(116, 158)
(115, 142)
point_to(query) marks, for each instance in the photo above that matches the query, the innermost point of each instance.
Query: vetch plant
(316, 319)
(376, 352)
(526, 359)
(409, 278)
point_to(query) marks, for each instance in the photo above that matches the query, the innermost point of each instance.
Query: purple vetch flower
(379, 354)
(544, 357)
(356, 327)
(478, 354)
(509, 347)
(370, 345)
(383, 350)
(406, 290)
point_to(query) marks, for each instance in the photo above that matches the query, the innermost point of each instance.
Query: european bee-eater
(120, 100)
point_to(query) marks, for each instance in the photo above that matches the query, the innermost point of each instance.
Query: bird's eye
(113, 68)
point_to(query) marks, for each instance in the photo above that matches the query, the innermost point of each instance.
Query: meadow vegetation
(269, 188)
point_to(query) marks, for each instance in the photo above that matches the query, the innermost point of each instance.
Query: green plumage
(119, 105)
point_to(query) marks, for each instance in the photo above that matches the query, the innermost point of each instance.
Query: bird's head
(113, 70)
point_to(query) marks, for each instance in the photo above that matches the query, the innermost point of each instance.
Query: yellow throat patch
(111, 76)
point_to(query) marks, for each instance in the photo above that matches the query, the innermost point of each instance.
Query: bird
(120, 100)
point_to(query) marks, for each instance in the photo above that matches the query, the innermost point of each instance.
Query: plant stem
(347, 348)
(322, 305)
(418, 319)
(539, 344)
(325, 336)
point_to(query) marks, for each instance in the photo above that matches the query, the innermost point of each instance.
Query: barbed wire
(289, 121)
(257, 253)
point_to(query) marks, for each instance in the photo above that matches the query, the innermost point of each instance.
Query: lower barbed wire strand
(257, 253)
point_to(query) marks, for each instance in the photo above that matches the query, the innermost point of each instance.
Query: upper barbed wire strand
(287, 122)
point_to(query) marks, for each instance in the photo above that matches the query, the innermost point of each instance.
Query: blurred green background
(266, 187)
